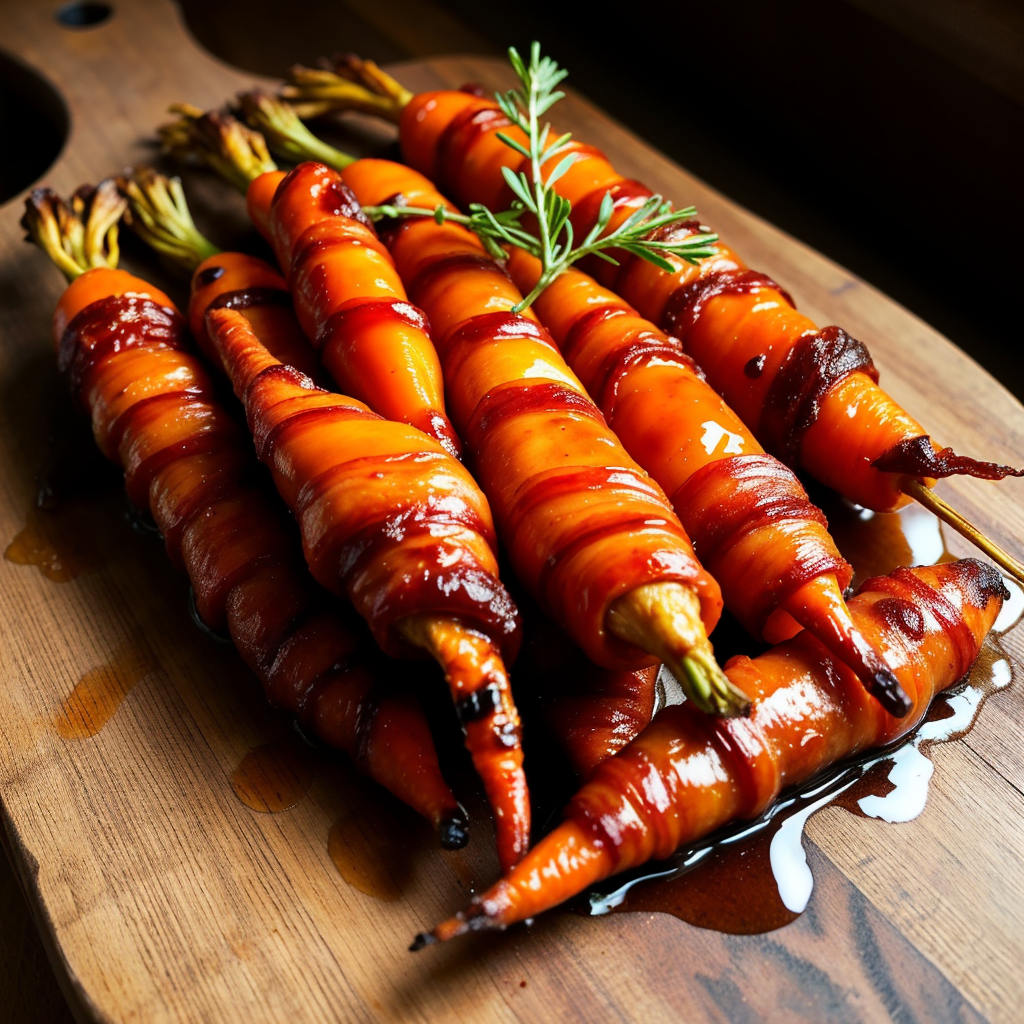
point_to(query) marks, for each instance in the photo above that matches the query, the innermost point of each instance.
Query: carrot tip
(421, 940)
(453, 830)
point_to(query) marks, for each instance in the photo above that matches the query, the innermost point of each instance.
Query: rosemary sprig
(552, 240)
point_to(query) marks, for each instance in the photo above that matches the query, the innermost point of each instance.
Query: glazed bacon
(584, 524)
(125, 350)
(751, 522)
(397, 524)
(590, 712)
(810, 395)
(686, 775)
(347, 295)
(389, 517)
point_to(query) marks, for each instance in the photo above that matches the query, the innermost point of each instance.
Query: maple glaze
(728, 317)
(583, 522)
(154, 412)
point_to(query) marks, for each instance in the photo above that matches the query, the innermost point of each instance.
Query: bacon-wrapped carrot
(751, 522)
(590, 534)
(686, 776)
(388, 517)
(590, 712)
(810, 395)
(124, 348)
(393, 521)
(348, 298)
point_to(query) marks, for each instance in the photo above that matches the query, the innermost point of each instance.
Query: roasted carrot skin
(388, 517)
(153, 410)
(397, 524)
(810, 395)
(584, 524)
(349, 298)
(749, 517)
(687, 775)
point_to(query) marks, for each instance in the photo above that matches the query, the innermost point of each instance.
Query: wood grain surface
(162, 897)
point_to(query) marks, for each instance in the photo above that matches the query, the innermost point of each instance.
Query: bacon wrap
(334, 264)
(750, 520)
(387, 516)
(583, 523)
(153, 410)
(917, 457)
(686, 304)
(732, 318)
(753, 525)
(590, 712)
(232, 280)
(581, 535)
(687, 775)
(809, 371)
(932, 634)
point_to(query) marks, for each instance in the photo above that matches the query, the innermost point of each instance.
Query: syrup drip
(61, 554)
(374, 848)
(99, 693)
(754, 877)
(273, 777)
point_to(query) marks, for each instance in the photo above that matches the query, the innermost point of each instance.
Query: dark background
(887, 134)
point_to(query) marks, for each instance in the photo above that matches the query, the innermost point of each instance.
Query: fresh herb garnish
(553, 242)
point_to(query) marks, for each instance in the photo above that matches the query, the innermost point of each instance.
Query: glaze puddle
(273, 777)
(754, 877)
(55, 544)
(99, 693)
(374, 847)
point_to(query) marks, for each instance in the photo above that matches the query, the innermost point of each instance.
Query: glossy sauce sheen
(388, 517)
(728, 317)
(190, 466)
(752, 525)
(583, 522)
(735, 882)
(350, 301)
(99, 693)
(273, 777)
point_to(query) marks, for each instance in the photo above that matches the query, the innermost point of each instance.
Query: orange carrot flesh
(154, 412)
(686, 775)
(583, 522)
(730, 319)
(349, 299)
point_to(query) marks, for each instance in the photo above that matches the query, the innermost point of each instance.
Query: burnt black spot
(753, 368)
(209, 275)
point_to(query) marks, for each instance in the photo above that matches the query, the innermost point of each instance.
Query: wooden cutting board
(163, 897)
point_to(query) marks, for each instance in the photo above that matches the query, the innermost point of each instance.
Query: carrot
(591, 713)
(810, 395)
(348, 297)
(394, 522)
(410, 506)
(591, 536)
(153, 410)
(750, 519)
(685, 776)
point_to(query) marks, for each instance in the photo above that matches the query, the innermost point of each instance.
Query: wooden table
(160, 896)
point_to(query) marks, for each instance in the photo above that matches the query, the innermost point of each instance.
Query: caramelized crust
(153, 410)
